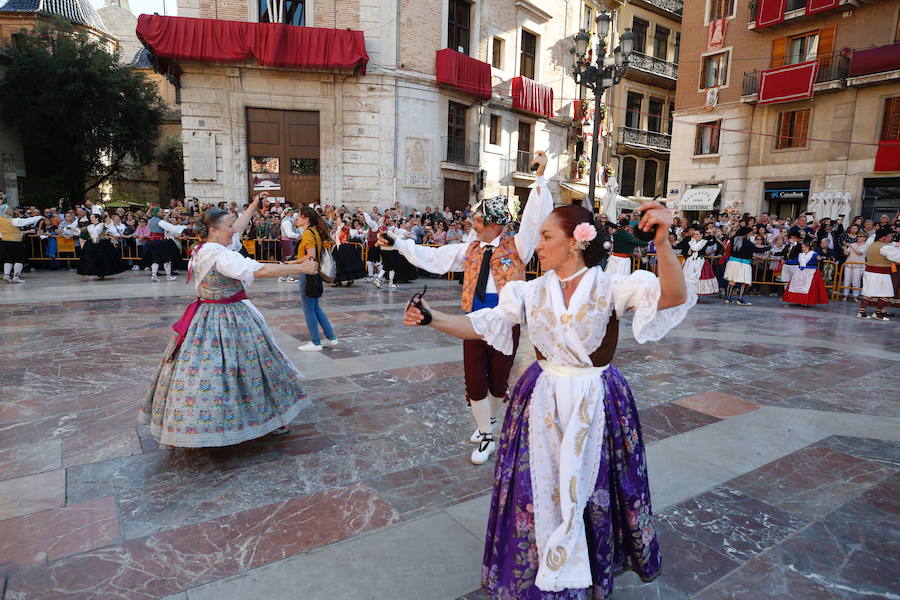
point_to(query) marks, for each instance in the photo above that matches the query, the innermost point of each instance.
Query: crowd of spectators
(835, 239)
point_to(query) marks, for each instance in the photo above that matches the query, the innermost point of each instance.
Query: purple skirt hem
(618, 516)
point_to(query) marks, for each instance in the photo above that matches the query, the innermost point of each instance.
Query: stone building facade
(397, 133)
(744, 133)
(639, 123)
(120, 21)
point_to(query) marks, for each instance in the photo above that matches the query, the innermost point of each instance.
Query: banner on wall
(715, 35)
(712, 98)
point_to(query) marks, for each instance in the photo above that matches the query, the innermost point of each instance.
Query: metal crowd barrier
(839, 286)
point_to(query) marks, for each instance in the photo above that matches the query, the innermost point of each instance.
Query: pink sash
(184, 323)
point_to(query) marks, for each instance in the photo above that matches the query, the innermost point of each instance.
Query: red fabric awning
(271, 44)
(463, 72)
(788, 83)
(817, 6)
(888, 156)
(531, 96)
(770, 12)
(875, 60)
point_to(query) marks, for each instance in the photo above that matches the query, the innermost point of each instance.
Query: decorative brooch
(506, 262)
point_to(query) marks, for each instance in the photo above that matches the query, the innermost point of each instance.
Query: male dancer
(623, 245)
(488, 263)
(12, 248)
(878, 286)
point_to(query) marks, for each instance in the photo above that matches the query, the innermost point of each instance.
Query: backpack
(327, 266)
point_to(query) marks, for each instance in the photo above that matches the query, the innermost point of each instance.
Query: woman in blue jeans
(315, 235)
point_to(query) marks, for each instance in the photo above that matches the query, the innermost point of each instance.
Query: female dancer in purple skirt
(571, 500)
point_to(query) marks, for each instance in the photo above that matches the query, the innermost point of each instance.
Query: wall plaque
(202, 147)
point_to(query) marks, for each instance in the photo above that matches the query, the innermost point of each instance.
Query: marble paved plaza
(772, 437)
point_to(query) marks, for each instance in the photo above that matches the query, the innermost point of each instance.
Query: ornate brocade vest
(874, 257)
(11, 233)
(506, 266)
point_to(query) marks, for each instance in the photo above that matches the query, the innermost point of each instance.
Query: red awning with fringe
(531, 96)
(463, 72)
(770, 12)
(271, 44)
(788, 83)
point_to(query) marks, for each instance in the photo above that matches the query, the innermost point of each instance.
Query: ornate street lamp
(604, 72)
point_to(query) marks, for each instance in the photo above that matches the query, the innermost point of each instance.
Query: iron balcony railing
(676, 7)
(460, 152)
(835, 67)
(651, 64)
(643, 138)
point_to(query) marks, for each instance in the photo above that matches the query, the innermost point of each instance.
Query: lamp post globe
(627, 40)
(582, 38)
(603, 20)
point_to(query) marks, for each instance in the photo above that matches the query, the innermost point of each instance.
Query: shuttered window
(793, 128)
(779, 49)
(528, 54)
(818, 44)
(497, 53)
(719, 9)
(629, 170)
(803, 48)
(715, 70)
(649, 188)
(890, 128)
(707, 138)
(458, 24)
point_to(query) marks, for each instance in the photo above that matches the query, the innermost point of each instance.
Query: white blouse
(172, 231)
(804, 257)
(95, 230)
(891, 252)
(566, 414)
(226, 261)
(695, 247)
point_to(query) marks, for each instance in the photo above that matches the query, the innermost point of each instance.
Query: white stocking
(17, 269)
(496, 403)
(481, 410)
(7, 268)
(370, 268)
(168, 267)
(154, 269)
(391, 277)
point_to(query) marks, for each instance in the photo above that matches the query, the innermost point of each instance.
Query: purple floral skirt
(618, 516)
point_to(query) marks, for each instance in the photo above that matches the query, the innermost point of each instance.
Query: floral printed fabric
(618, 516)
(228, 383)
